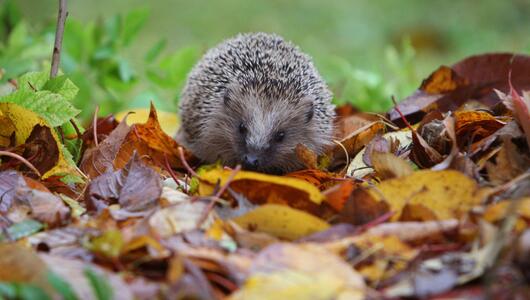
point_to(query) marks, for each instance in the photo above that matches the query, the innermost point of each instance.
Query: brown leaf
(136, 188)
(337, 195)
(482, 73)
(21, 264)
(9, 181)
(41, 149)
(306, 156)
(105, 126)
(473, 126)
(509, 163)
(152, 144)
(45, 206)
(98, 160)
(362, 208)
(387, 165)
(442, 81)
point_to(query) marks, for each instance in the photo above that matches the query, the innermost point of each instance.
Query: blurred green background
(124, 53)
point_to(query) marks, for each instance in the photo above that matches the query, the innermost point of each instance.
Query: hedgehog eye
(242, 128)
(279, 136)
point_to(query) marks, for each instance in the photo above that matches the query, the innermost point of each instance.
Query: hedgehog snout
(251, 162)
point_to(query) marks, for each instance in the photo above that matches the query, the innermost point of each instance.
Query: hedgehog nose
(250, 162)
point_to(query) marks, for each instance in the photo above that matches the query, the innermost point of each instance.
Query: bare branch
(59, 31)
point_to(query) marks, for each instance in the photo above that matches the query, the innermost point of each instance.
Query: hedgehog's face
(264, 132)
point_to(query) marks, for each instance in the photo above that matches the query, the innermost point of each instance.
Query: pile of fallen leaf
(431, 200)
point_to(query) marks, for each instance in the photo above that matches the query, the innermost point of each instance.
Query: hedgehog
(251, 100)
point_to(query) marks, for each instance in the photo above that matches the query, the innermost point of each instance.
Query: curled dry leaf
(358, 168)
(261, 188)
(152, 144)
(281, 221)
(448, 194)
(475, 77)
(473, 126)
(387, 165)
(42, 145)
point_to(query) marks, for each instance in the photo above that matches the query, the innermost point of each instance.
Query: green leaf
(155, 51)
(99, 285)
(61, 286)
(77, 209)
(19, 35)
(32, 81)
(125, 70)
(23, 229)
(133, 23)
(63, 86)
(22, 291)
(54, 108)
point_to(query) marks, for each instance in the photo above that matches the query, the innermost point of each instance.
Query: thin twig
(95, 126)
(401, 114)
(185, 163)
(218, 195)
(59, 31)
(21, 159)
(170, 171)
(76, 128)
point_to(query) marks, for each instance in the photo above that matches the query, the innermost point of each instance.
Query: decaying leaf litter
(430, 200)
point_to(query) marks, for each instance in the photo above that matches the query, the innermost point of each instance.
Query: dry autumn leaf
(281, 221)
(262, 188)
(447, 194)
(26, 126)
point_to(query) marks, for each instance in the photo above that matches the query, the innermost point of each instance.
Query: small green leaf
(61, 286)
(62, 86)
(133, 23)
(99, 285)
(125, 70)
(23, 229)
(19, 35)
(155, 51)
(77, 209)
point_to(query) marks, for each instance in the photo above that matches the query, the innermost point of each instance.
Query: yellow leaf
(21, 121)
(388, 256)
(281, 221)
(168, 121)
(306, 271)
(21, 264)
(448, 194)
(497, 212)
(263, 188)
